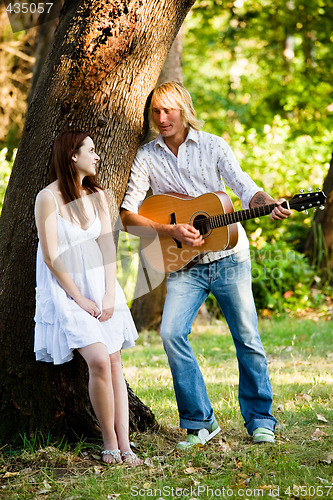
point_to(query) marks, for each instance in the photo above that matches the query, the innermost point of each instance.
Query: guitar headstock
(303, 201)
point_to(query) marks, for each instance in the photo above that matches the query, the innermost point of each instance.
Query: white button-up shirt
(205, 163)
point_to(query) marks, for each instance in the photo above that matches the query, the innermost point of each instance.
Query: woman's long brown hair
(64, 170)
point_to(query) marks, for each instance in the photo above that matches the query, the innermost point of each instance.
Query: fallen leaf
(321, 418)
(318, 433)
(149, 462)
(11, 474)
(191, 470)
(243, 476)
(307, 397)
(224, 447)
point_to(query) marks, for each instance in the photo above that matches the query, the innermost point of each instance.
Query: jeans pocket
(241, 256)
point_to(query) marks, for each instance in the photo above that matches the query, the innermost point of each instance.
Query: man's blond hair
(173, 95)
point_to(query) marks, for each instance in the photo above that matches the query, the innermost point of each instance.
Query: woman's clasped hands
(91, 307)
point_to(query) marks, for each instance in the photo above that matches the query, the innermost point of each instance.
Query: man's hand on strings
(187, 234)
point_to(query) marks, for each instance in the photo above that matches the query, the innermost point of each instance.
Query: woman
(79, 303)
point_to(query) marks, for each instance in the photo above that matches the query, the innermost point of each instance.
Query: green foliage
(5, 171)
(38, 440)
(273, 111)
(127, 263)
(258, 60)
(282, 279)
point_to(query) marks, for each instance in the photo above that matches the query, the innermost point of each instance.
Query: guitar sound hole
(201, 222)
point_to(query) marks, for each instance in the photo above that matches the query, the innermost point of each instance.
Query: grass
(298, 466)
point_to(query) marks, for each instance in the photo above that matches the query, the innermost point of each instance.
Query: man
(185, 160)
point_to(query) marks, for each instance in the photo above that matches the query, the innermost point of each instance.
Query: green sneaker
(201, 436)
(261, 435)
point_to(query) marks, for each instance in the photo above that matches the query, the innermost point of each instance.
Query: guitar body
(213, 215)
(168, 255)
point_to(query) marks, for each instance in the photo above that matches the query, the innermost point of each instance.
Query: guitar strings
(214, 221)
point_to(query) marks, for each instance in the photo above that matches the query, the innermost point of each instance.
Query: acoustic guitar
(213, 215)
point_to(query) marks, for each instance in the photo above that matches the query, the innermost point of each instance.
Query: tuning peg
(305, 212)
(314, 210)
(321, 207)
(310, 190)
(318, 189)
(301, 190)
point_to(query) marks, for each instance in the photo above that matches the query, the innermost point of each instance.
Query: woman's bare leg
(101, 394)
(121, 419)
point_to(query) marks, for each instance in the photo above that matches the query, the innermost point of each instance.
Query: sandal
(114, 454)
(130, 458)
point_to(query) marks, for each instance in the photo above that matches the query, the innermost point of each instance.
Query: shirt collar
(193, 135)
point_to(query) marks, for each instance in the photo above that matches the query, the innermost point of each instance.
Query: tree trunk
(147, 308)
(104, 62)
(43, 45)
(319, 244)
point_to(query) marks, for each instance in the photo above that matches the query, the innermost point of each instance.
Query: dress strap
(55, 199)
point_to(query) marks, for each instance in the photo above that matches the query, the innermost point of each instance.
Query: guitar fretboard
(233, 217)
(206, 224)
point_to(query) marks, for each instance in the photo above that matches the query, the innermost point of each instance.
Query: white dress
(61, 324)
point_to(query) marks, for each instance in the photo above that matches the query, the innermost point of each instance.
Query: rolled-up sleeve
(138, 185)
(234, 177)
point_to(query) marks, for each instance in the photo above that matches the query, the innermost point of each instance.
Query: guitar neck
(240, 215)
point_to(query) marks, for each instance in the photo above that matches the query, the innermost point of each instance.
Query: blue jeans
(229, 279)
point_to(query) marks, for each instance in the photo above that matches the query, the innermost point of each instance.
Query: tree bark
(147, 308)
(319, 245)
(43, 45)
(104, 62)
